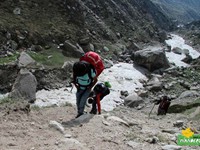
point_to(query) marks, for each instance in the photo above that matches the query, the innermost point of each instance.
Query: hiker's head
(98, 87)
(165, 97)
(107, 84)
(80, 68)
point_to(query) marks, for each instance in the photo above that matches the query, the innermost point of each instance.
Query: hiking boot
(93, 112)
(78, 115)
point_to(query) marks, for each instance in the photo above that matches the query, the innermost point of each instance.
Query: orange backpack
(95, 60)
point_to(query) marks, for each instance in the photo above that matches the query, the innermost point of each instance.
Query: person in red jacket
(98, 93)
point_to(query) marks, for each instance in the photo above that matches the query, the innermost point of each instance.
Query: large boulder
(133, 100)
(177, 50)
(188, 59)
(68, 65)
(154, 84)
(186, 100)
(85, 44)
(71, 50)
(151, 59)
(25, 86)
(132, 47)
(25, 60)
(53, 78)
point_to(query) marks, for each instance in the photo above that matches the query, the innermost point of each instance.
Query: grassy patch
(50, 58)
(189, 111)
(8, 59)
(34, 107)
(6, 101)
(197, 100)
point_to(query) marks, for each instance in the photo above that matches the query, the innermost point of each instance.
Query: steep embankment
(181, 10)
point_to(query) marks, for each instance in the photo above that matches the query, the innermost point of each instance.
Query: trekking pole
(151, 110)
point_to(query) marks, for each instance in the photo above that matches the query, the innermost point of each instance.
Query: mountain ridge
(183, 11)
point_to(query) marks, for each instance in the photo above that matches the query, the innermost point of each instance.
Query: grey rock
(177, 50)
(57, 126)
(68, 65)
(25, 60)
(178, 123)
(171, 131)
(24, 86)
(190, 93)
(69, 49)
(133, 144)
(133, 100)
(17, 11)
(171, 147)
(108, 63)
(70, 143)
(106, 49)
(117, 119)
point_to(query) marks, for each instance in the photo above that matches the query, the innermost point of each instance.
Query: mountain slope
(45, 22)
(180, 10)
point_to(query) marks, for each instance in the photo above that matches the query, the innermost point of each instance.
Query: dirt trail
(135, 130)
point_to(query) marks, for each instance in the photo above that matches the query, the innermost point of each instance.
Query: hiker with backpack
(99, 92)
(85, 73)
(84, 79)
(164, 103)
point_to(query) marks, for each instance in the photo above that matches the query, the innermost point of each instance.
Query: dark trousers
(94, 106)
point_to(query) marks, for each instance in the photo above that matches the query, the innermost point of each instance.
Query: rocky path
(55, 128)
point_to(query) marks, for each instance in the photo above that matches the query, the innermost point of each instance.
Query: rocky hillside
(52, 32)
(191, 32)
(44, 24)
(183, 11)
(125, 128)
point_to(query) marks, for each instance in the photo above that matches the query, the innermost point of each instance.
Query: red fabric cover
(94, 59)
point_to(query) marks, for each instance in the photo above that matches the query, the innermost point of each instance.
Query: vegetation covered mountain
(41, 28)
(49, 23)
(181, 10)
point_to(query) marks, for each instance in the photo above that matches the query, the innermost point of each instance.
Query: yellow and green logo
(188, 138)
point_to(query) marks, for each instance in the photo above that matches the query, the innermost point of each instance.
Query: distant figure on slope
(84, 78)
(99, 92)
(164, 103)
